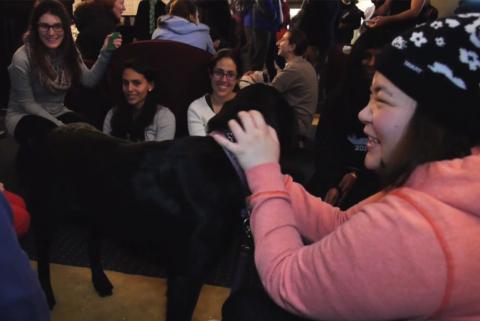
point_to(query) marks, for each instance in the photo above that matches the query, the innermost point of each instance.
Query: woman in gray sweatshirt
(43, 69)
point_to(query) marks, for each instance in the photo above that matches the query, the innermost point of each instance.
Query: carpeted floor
(135, 297)
(70, 248)
(139, 292)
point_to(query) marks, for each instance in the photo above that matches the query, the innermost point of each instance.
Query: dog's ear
(268, 101)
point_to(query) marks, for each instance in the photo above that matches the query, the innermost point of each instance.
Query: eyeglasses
(45, 27)
(220, 73)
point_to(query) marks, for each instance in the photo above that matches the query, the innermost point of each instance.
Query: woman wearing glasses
(225, 70)
(41, 72)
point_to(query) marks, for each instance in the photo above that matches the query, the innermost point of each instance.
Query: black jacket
(94, 22)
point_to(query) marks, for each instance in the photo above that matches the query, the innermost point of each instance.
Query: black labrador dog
(182, 197)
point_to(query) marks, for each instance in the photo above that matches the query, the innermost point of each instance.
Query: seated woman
(409, 252)
(225, 70)
(138, 116)
(41, 72)
(182, 25)
(94, 20)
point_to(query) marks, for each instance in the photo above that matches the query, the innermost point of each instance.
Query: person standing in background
(261, 21)
(148, 12)
(95, 19)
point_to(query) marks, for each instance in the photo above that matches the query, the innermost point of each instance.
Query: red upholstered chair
(181, 70)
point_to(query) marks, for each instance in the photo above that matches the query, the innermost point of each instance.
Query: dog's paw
(102, 284)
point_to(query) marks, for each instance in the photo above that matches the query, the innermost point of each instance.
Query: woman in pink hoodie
(410, 252)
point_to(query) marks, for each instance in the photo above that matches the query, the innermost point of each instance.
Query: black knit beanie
(438, 65)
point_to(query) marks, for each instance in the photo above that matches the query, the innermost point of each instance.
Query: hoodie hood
(454, 182)
(179, 26)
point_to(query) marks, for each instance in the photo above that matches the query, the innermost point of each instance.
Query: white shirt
(198, 115)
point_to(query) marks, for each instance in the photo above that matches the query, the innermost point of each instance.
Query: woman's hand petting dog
(257, 142)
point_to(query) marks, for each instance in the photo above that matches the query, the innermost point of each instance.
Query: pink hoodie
(409, 254)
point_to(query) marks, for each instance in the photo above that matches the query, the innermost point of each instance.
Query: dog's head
(268, 101)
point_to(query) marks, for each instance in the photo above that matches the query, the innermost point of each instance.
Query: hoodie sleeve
(363, 267)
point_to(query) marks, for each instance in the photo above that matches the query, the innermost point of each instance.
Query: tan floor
(135, 298)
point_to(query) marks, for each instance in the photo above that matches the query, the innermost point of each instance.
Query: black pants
(255, 49)
(32, 128)
(254, 305)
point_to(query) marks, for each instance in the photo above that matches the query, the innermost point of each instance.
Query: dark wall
(14, 15)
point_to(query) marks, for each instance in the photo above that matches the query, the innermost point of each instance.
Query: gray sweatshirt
(29, 97)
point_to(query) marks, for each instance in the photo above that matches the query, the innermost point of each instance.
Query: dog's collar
(233, 160)
(246, 243)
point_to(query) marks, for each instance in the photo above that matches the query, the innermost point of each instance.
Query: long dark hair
(425, 140)
(124, 125)
(39, 52)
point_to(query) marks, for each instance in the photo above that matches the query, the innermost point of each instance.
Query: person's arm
(20, 81)
(90, 77)
(378, 265)
(210, 46)
(412, 13)
(384, 9)
(305, 206)
(164, 124)
(196, 126)
(284, 80)
(141, 25)
(107, 123)
(361, 270)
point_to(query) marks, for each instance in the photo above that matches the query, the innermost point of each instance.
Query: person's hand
(337, 194)
(257, 142)
(332, 196)
(2, 187)
(113, 44)
(347, 182)
(377, 21)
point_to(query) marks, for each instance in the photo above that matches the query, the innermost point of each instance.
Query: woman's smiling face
(386, 119)
(135, 87)
(50, 30)
(224, 77)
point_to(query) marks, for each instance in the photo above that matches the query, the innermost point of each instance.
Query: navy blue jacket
(21, 297)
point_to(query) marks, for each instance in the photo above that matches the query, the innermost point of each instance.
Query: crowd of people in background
(398, 120)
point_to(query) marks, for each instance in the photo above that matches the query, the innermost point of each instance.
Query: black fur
(183, 196)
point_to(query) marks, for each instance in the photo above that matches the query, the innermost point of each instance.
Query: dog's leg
(102, 284)
(182, 296)
(43, 268)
